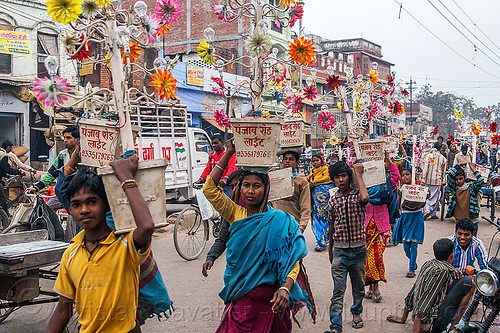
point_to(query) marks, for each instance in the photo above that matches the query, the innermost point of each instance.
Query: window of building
(46, 45)
(5, 63)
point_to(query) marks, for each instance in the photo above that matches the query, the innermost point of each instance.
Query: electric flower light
(223, 12)
(90, 9)
(46, 91)
(397, 108)
(301, 51)
(205, 51)
(495, 139)
(296, 13)
(435, 131)
(103, 3)
(326, 120)
(167, 11)
(493, 127)
(151, 24)
(164, 83)
(278, 73)
(476, 129)
(64, 11)
(294, 103)
(258, 43)
(134, 52)
(333, 82)
(310, 93)
(163, 30)
(459, 114)
(373, 76)
(266, 114)
(390, 80)
(404, 92)
(286, 3)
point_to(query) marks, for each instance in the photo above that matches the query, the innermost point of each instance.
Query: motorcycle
(488, 293)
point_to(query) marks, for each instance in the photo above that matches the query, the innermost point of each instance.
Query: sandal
(357, 323)
(377, 299)
(410, 275)
(369, 294)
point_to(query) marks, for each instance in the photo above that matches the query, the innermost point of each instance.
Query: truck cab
(166, 134)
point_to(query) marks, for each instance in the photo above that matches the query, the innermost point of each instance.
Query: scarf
(262, 249)
(320, 175)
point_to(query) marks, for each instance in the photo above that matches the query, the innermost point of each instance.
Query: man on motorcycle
(467, 249)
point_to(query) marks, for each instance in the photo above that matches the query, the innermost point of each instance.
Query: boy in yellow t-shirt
(99, 271)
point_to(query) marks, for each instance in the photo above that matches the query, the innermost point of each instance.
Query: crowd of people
(265, 282)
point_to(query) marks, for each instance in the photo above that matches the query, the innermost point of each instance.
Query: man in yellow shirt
(99, 271)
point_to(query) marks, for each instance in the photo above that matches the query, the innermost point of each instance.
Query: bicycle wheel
(190, 233)
(216, 226)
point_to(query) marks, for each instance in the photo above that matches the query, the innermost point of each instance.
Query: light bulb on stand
(309, 81)
(263, 25)
(360, 77)
(314, 71)
(220, 104)
(160, 63)
(348, 71)
(209, 34)
(331, 71)
(374, 65)
(274, 52)
(140, 8)
(288, 91)
(324, 107)
(51, 65)
(134, 30)
(122, 35)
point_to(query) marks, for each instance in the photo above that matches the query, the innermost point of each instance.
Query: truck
(167, 134)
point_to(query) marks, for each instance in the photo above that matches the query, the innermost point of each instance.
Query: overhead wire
(442, 41)
(478, 28)
(459, 21)
(460, 31)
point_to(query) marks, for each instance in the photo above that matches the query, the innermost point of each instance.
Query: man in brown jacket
(433, 174)
(298, 205)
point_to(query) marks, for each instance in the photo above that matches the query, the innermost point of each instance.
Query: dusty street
(198, 306)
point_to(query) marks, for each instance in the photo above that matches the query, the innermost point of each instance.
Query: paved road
(198, 307)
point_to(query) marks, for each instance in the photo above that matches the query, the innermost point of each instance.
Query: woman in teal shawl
(262, 256)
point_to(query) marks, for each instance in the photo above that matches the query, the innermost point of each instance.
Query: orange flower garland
(134, 52)
(302, 52)
(164, 83)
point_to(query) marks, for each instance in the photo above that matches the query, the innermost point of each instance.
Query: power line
(459, 21)
(454, 26)
(448, 80)
(476, 25)
(442, 41)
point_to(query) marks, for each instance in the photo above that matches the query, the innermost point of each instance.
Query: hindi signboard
(87, 67)
(414, 193)
(281, 184)
(372, 150)
(195, 76)
(373, 173)
(391, 144)
(13, 42)
(98, 142)
(292, 133)
(256, 141)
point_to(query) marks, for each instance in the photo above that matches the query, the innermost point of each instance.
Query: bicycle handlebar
(490, 221)
(39, 195)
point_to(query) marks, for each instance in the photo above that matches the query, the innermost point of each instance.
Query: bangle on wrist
(129, 183)
(285, 288)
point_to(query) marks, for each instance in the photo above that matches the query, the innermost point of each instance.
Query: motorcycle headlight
(487, 282)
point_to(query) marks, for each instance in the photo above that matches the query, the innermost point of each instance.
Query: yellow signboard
(14, 42)
(87, 67)
(195, 76)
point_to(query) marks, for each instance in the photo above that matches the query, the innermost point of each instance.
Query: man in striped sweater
(433, 174)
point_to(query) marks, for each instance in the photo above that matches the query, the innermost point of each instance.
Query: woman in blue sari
(262, 255)
(320, 183)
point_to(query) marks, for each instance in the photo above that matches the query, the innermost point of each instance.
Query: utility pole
(410, 88)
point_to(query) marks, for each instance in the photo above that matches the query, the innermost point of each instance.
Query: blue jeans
(411, 253)
(352, 262)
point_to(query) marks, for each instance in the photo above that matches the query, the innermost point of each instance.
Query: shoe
(410, 275)
(319, 249)
(427, 215)
(433, 218)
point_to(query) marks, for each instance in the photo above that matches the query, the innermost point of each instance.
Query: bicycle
(18, 184)
(191, 231)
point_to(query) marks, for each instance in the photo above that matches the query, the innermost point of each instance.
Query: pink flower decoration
(326, 120)
(221, 118)
(167, 11)
(294, 103)
(223, 12)
(151, 25)
(46, 93)
(296, 13)
(278, 73)
(217, 80)
(310, 93)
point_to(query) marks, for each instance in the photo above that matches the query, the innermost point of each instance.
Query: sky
(415, 51)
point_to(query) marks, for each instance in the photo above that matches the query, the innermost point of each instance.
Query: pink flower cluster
(294, 103)
(167, 11)
(223, 12)
(221, 118)
(326, 120)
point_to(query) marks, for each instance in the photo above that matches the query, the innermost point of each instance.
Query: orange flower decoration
(163, 30)
(373, 75)
(134, 52)
(302, 52)
(476, 129)
(286, 3)
(164, 83)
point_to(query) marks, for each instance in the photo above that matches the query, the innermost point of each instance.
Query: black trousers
(449, 307)
(3, 198)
